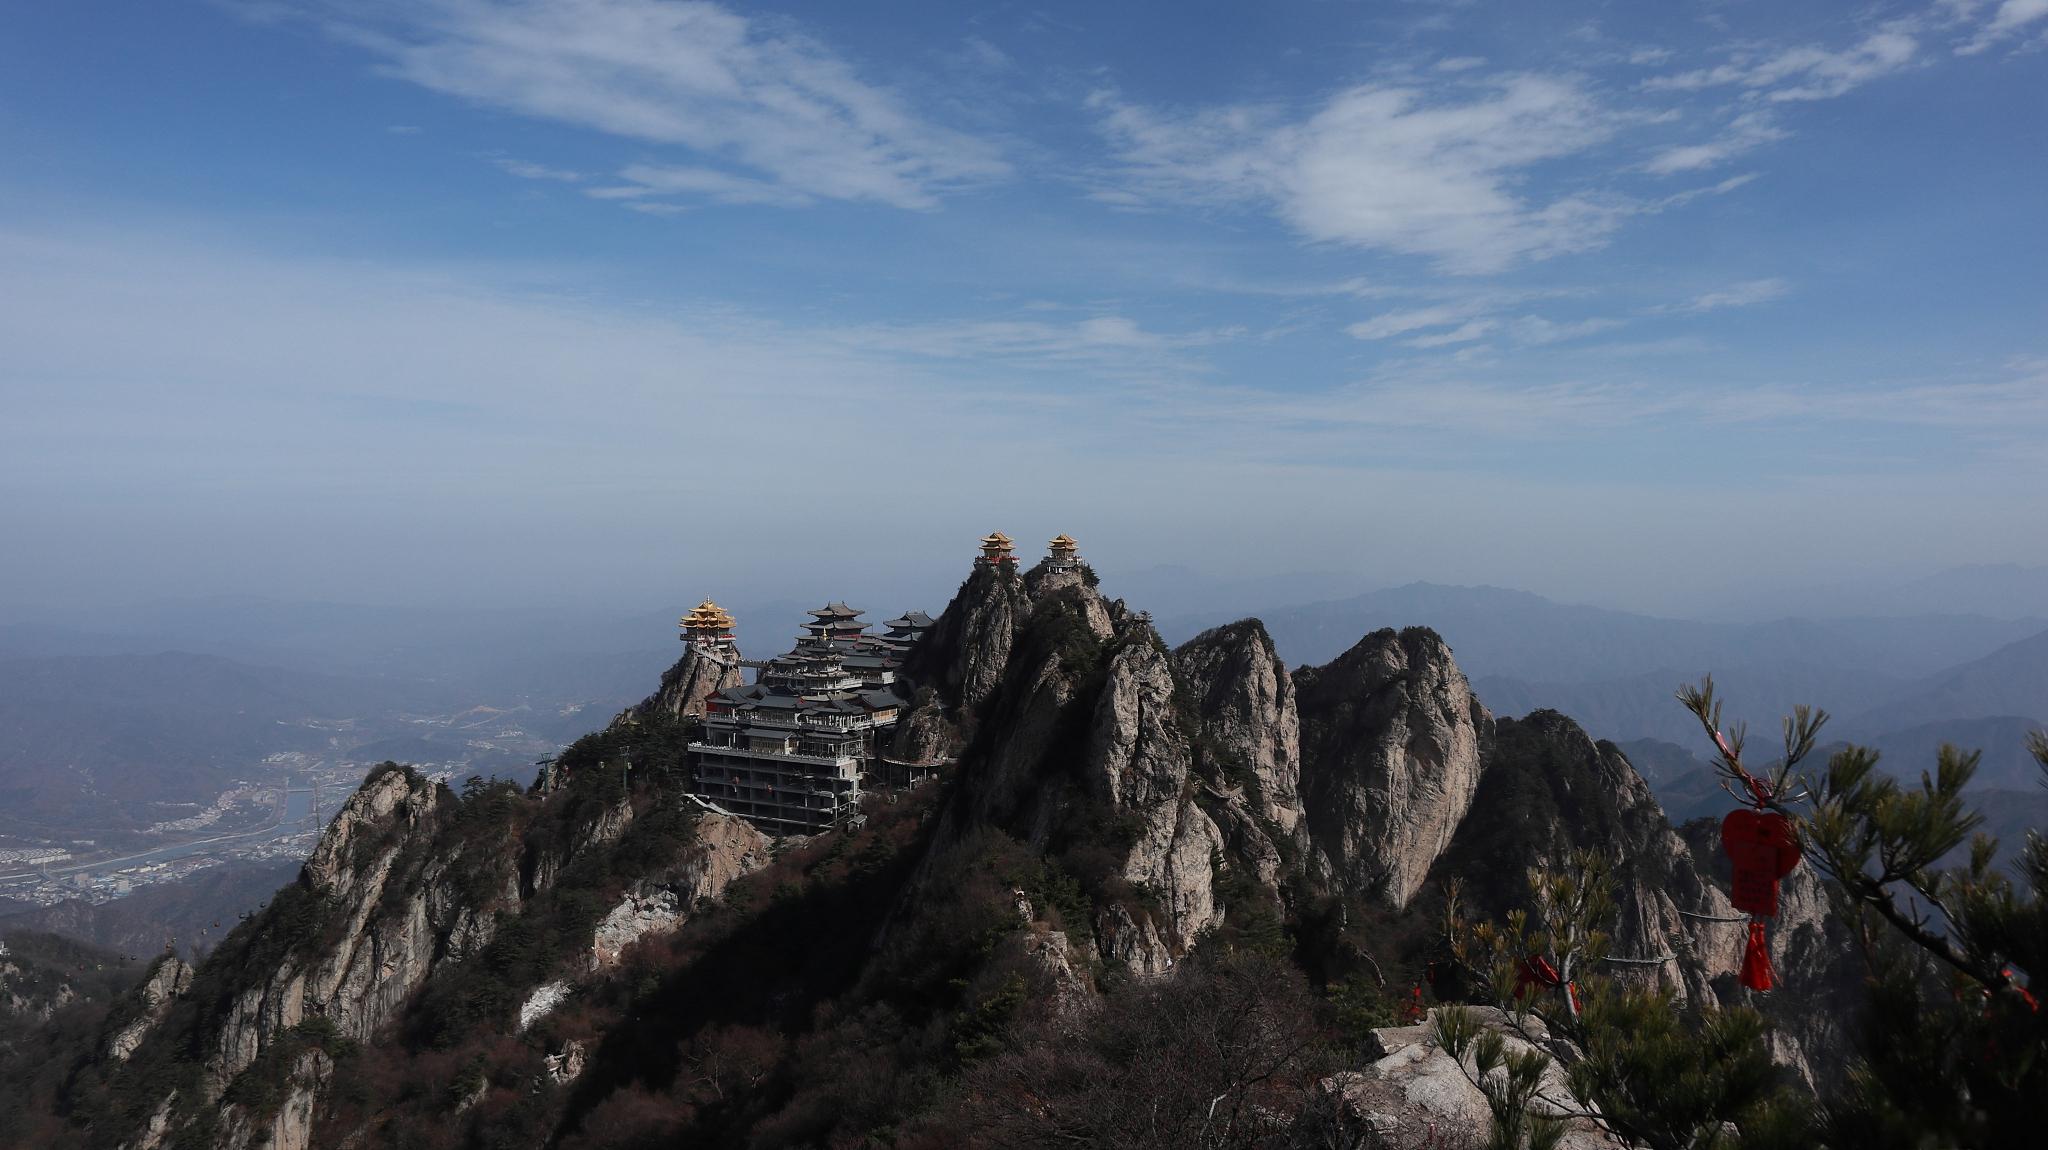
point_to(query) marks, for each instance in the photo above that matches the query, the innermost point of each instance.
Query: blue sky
(461, 301)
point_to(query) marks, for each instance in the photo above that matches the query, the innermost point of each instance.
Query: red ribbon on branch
(1535, 972)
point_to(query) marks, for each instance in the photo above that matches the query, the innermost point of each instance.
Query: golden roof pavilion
(708, 616)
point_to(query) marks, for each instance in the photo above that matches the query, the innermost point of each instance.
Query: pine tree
(1653, 1075)
(1954, 1045)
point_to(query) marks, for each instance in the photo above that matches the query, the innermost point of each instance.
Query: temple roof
(707, 616)
(837, 610)
(910, 621)
(1063, 542)
(995, 539)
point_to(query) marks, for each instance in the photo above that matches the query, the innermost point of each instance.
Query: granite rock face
(1391, 739)
(384, 900)
(1551, 789)
(963, 656)
(1080, 726)
(726, 848)
(696, 676)
(377, 959)
(168, 978)
(1246, 701)
(1416, 1094)
(1139, 758)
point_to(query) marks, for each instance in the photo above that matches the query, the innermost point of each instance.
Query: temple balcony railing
(778, 756)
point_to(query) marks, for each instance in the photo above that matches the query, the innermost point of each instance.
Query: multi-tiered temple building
(791, 750)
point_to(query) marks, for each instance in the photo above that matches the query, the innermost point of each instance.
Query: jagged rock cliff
(726, 849)
(1139, 758)
(1550, 789)
(695, 677)
(168, 978)
(409, 883)
(1079, 737)
(1245, 698)
(963, 655)
(568, 960)
(1390, 758)
(1249, 740)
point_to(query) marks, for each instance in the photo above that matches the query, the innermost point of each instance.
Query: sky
(595, 301)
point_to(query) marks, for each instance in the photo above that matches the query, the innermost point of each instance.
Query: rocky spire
(695, 677)
(1250, 726)
(1390, 758)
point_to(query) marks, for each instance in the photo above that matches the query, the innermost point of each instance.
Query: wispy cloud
(1745, 294)
(1394, 168)
(1115, 346)
(776, 105)
(530, 171)
(1386, 325)
(644, 180)
(2010, 19)
(1466, 332)
(1750, 129)
(1802, 73)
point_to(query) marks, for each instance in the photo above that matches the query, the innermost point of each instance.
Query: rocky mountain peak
(1391, 739)
(695, 677)
(964, 653)
(1250, 725)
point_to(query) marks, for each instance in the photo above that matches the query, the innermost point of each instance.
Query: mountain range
(1142, 875)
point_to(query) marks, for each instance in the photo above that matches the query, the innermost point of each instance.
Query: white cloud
(1389, 324)
(2011, 18)
(1460, 63)
(754, 95)
(1388, 167)
(643, 180)
(1474, 319)
(1745, 294)
(1804, 73)
(1465, 332)
(529, 171)
(1535, 330)
(1749, 130)
(1115, 346)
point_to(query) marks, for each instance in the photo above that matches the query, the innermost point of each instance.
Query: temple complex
(790, 751)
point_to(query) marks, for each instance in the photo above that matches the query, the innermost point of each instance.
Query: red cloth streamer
(1763, 849)
(1535, 971)
(1756, 959)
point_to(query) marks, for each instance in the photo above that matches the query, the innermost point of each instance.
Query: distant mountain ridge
(1518, 634)
(1615, 672)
